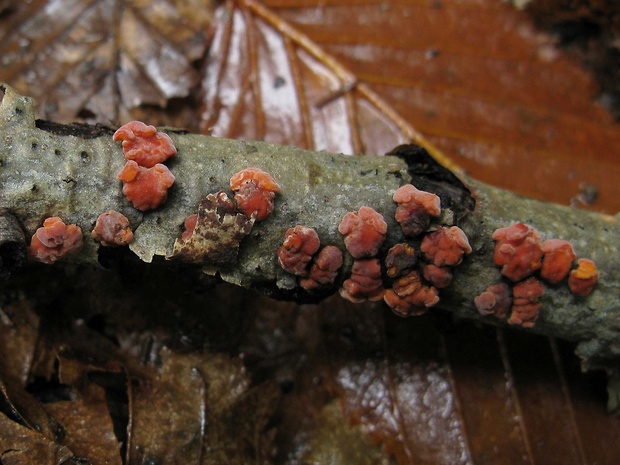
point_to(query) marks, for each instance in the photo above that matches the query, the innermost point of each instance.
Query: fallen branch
(71, 172)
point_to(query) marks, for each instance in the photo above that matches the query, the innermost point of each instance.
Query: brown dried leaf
(265, 79)
(200, 410)
(100, 60)
(482, 84)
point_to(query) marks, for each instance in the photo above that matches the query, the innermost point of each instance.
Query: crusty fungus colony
(520, 254)
(407, 280)
(408, 276)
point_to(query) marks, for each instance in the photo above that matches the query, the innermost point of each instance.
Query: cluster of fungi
(521, 254)
(414, 279)
(408, 276)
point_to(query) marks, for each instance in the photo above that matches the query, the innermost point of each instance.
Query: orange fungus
(518, 251)
(364, 231)
(415, 207)
(445, 246)
(324, 269)
(582, 280)
(300, 244)
(145, 188)
(496, 300)
(409, 296)
(526, 302)
(558, 256)
(112, 229)
(255, 192)
(365, 281)
(54, 240)
(144, 144)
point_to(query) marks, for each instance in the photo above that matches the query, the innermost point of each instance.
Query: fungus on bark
(324, 269)
(213, 236)
(55, 240)
(495, 300)
(582, 280)
(415, 208)
(410, 296)
(558, 256)
(255, 192)
(445, 246)
(145, 188)
(526, 302)
(438, 276)
(364, 231)
(400, 260)
(518, 251)
(365, 281)
(300, 244)
(112, 229)
(144, 144)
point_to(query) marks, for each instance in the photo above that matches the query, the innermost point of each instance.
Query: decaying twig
(70, 172)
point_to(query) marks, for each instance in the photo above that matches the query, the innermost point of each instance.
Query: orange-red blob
(365, 281)
(409, 296)
(55, 240)
(582, 280)
(112, 229)
(438, 276)
(364, 231)
(526, 302)
(300, 244)
(144, 144)
(324, 269)
(445, 246)
(558, 256)
(496, 300)
(518, 251)
(415, 207)
(145, 188)
(189, 226)
(255, 192)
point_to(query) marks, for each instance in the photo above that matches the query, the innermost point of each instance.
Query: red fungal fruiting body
(518, 251)
(582, 280)
(324, 269)
(400, 260)
(255, 192)
(438, 276)
(496, 300)
(300, 244)
(409, 296)
(112, 229)
(365, 281)
(415, 207)
(410, 288)
(188, 227)
(55, 240)
(364, 231)
(144, 144)
(145, 188)
(525, 302)
(445, 246)
(558, 256)
(400, 306)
